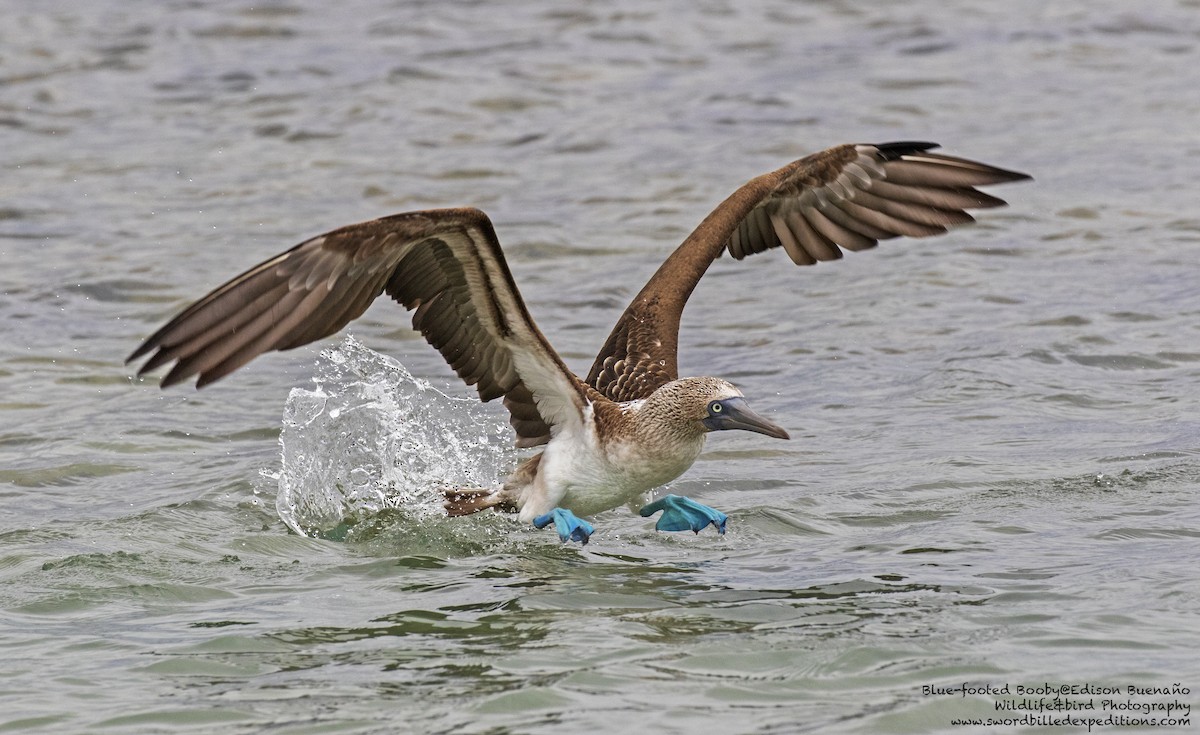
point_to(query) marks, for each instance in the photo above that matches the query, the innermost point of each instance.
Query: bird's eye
(716, 407)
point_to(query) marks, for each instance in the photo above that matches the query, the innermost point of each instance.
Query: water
(994, 459)
(371, 437)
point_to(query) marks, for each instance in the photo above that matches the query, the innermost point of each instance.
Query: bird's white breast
(585, 474)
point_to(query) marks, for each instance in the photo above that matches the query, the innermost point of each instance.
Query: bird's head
(716, 405)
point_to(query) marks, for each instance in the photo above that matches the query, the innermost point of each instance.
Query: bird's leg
(568, 526)
(684, 514)
(461, 501)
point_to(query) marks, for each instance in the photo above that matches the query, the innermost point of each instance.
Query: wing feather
(808, 236)
(847, 197)
(444, 265)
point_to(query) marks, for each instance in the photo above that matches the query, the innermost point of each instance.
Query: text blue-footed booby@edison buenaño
(633, 424)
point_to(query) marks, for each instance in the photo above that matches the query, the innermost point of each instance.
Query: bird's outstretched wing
(850, 196)
(446, 265)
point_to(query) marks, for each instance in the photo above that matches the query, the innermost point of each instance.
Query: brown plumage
(849, 197)
(446, 266)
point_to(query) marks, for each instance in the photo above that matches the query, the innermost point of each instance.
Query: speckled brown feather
(850, 196)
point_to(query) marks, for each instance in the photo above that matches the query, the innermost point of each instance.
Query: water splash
(371, 437)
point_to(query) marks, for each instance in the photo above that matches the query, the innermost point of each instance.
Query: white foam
(371, 437)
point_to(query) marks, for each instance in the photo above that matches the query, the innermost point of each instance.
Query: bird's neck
(659, 420)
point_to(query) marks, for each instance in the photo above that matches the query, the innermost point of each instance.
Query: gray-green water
(994, 463)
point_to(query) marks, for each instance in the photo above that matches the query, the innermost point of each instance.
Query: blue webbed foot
(684, 514)
(568, 526)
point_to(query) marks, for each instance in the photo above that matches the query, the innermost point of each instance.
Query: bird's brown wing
(850, 196)
(446, 265)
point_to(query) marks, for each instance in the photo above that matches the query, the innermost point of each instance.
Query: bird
(632, 424)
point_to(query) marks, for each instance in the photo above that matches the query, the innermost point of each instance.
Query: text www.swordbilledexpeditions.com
(1073, 705)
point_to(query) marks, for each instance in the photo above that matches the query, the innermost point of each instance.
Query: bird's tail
(463, 501)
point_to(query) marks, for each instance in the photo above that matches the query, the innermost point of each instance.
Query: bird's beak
(738, 415)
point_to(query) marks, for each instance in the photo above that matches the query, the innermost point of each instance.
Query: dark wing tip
(997, 175)
(157, 359)
(203, 380)
(153, 342)
(1009, 175)
(169, 381)
(895, 149)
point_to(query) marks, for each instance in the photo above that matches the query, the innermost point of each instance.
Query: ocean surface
(990, 495)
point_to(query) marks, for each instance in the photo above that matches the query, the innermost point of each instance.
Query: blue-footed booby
(633, 424)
